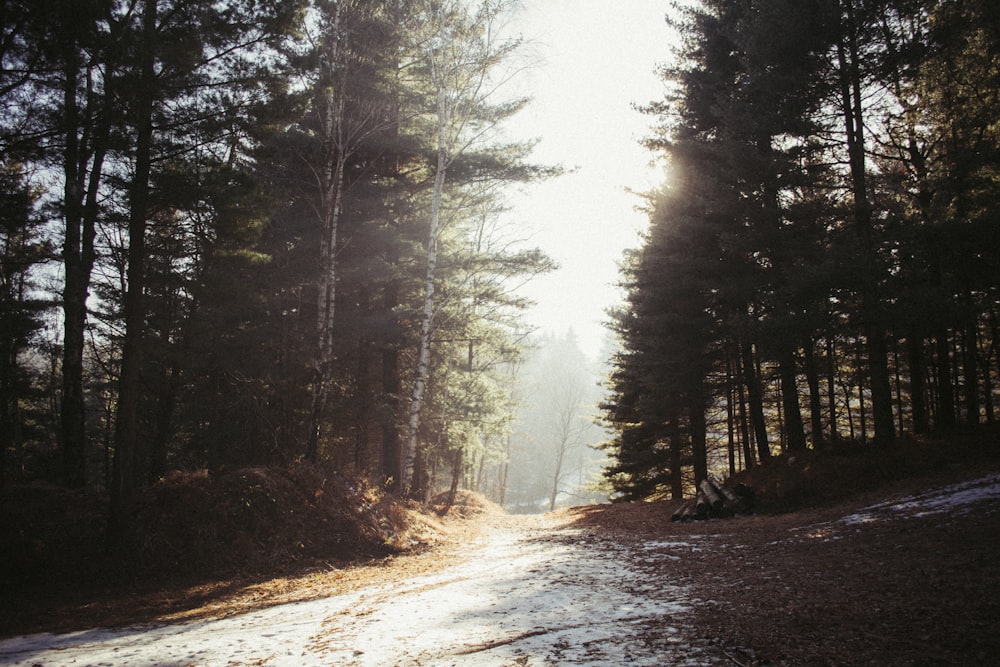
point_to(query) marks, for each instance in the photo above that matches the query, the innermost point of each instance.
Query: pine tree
(22, 250)
(178, 49)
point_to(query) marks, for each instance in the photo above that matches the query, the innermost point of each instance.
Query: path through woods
(900, 579)
(524, 593)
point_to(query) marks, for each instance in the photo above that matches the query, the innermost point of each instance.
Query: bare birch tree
(340, 133)
(568, 426)
(330, 102)
(461, 55)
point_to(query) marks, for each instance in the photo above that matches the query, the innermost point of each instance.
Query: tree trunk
(362, 419)
(815, 400)
(457, 462)
(945, 418)
(918, 383)
(730, 415)
(992, 359)
(970, 365)
(504, 469)
(756, 402)
(80, 211)
(331, 190)
(712, 495)
(77, 241)
(391, 392)
(898, 384)
(73, 410)
(557, 475)
(845, 385)
(698, 428)
(169, 386)
(127, 423)
(676, 443)
(391, 387)
(794, 427)
(748, 456)
(831, 386)
(424, 354)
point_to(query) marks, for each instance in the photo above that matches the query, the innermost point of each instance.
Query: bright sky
(597, 59)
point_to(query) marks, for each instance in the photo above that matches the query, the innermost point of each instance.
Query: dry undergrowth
(312, 536)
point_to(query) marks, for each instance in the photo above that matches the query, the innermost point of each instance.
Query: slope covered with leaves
(194, 528)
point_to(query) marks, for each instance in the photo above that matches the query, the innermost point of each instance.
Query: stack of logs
(714, 500)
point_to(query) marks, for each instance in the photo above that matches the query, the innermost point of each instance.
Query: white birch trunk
(331, 187)
(424, 358)
(460, 60)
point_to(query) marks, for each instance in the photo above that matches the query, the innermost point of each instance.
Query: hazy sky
(596, 59)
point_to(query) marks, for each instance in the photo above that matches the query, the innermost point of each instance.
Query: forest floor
(902, 574)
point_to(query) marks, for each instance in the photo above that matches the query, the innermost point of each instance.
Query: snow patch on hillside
(955, 498)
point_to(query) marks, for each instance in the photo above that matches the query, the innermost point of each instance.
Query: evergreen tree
(22, 251)
(185, 56)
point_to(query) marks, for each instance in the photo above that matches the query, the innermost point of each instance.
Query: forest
(270, 392)
(821, 266)
(247, 233)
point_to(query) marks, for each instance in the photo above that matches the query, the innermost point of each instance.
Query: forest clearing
(878, 571)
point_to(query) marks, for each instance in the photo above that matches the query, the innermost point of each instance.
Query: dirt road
(523, 593)
(913, 579)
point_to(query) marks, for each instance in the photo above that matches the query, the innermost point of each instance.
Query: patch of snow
(658, 545)
(520, 600)
(955, 498)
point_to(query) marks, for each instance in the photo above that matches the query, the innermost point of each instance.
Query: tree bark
(945, 390)
(748, 456)
(426, 322)
(331, 190)
(730, 415)
(831, 387)
(676, 443)
(124, 476)
(815, 400)
(918, 383)
(970, 364)
(80, 210)
(699, 432)
(755, 400)
(794, 427)
(391, 393)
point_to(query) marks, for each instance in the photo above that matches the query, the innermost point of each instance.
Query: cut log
(686, 512)
(713, 500)
(702, 505)
(712, 495)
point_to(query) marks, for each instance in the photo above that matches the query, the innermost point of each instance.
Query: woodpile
(714, 500)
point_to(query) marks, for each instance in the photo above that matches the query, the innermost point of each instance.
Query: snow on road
(523, 597)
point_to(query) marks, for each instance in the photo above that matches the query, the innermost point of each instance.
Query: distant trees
(803, 260)
(552, 453)
(253, 208)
